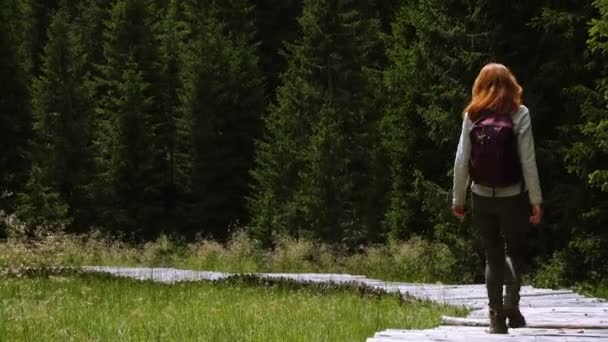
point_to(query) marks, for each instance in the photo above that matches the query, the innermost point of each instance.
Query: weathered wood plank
(527, 331)
(544, 322)
(461, 334)
(562, 313)
(530, 298)
(477, 331)
(482, 335)
(581, 302)
(487, 338)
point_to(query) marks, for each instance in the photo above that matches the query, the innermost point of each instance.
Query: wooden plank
(531, 297)
(489, 338)
(462, 334)
(477, 331)
(600, 311)
(581, 302)
(545, 322)
(564, 317)
(482, 336)
(529, 331)
(563, 309)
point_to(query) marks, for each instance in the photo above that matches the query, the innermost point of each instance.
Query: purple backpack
(494, 158)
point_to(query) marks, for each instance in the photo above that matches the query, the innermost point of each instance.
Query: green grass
(415, 260)
(601, 290)
(99, 308)
(597, 289)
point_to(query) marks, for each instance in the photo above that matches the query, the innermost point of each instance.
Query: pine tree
(38, 16)
(596, 125)
(129, 146)
(276, 25)
(312, 170)
(19, 25)
(237, 18)
(437, 47)
(222, 97)
(15, 118)
(62, 120)
(552, 90)
(585, 241)
(40, 207)
(173, 35)
(89, 19)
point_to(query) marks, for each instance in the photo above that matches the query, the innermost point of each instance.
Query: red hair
(495, 89)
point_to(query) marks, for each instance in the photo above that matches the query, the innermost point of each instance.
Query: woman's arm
(461, 166)
(527, 157)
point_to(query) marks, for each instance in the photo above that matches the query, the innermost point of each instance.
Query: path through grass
(100, 308)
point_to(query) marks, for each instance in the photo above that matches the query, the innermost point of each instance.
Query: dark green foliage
(436, 49)
(62, 115)
(222, 98)
(15, 119)
(172, 40)
(38, 15)
(313, 164)
(277, 25)
(40, 206)
(586, 157)
(129, 143)
(18, 23)
(89, 22)
(145, 114)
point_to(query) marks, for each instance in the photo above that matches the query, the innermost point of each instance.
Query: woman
(496, 150)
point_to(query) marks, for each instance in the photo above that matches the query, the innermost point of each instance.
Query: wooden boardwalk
(552, 315)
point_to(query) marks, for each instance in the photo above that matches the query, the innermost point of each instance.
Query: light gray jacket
(523, 130)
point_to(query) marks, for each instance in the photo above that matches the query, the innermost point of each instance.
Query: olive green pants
(502, 223)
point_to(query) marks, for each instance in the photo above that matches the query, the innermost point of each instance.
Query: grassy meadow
(70, 306)
(101, 308)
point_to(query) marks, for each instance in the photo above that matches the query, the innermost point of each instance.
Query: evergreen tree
(37, 15)
(62, 120)
(18, 16)
(437, 47)
(313, 164)
(222, 97)
(15, 119)
(596, 125)
(586, 156)
(173, 33)
(89, 19)
(277, 24)
(129, 143)
(41, 207)
(552, 91)
(237, 18)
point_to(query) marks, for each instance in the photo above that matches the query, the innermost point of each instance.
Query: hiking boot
(516, 319)
(498, 322)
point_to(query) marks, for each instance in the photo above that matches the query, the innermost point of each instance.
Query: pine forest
(330, 120)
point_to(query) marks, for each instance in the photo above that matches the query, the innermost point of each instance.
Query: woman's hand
(537, 214)
(458, 212)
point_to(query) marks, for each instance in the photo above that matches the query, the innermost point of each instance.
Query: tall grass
(415, 260)
(94, 308)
